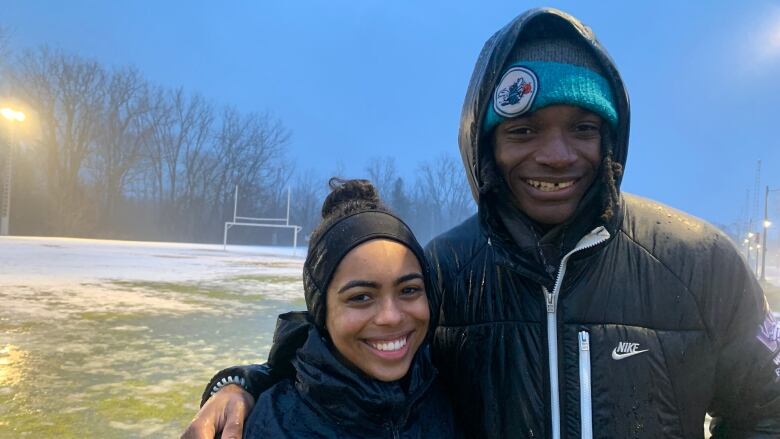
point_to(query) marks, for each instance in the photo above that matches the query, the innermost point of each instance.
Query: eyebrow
(370, 284)
(408, 277)
(357, 283)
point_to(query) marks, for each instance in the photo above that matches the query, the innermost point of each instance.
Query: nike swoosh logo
(616, 356)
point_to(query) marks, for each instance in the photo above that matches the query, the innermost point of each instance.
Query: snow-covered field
(117, 339)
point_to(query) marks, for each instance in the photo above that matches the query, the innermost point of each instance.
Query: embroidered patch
(516, 92)
(769, 333)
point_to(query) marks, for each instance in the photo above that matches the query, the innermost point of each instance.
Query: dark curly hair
(347, 197)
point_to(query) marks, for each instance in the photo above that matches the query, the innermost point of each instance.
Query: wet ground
(91, 346)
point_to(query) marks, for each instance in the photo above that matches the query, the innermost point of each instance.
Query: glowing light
(12, 114)
(767, 223)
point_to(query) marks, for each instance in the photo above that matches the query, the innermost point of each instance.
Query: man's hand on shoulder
(222, 416)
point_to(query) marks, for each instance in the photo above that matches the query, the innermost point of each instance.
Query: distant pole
(766, 225)
(288, 207)
(758, 249)
(224, 238)
(749, 240)
(295, 240)
(13, 117)
(235, 204)
(5, 206)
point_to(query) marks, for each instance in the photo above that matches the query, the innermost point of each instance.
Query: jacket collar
(521, 245)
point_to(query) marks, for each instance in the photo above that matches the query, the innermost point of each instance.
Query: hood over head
(535, 36)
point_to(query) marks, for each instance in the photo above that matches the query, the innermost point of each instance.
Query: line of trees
(437, 199)
(113, 155)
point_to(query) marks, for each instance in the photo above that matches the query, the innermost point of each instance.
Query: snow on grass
(117, 339)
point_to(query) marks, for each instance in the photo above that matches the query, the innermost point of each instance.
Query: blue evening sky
(360, 79)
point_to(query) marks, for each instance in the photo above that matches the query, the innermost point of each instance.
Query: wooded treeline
(112, 155)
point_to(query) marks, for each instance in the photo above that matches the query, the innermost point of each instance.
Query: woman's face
(377, 313)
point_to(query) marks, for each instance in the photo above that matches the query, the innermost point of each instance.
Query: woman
(360, 353)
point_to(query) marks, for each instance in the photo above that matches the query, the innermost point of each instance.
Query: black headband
(340, 238)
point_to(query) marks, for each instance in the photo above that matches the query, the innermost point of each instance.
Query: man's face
(549, 158)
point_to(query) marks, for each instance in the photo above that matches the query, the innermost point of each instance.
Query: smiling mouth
(547, 186)
(389, 345)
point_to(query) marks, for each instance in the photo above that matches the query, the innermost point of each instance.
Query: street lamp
(767, 223)
(14, 117)
(12, 114)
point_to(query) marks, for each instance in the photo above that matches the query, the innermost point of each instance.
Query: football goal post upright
(279, 223)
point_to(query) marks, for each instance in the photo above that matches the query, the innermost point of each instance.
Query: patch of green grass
(264, 278)
(8, 326)
(176, 405)
(192, 289)
(36, 423)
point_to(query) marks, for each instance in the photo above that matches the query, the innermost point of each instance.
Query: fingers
(235, 413)
(234, 429)
(199, 428)
(223, 413)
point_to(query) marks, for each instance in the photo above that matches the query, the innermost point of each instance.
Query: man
(566, 309)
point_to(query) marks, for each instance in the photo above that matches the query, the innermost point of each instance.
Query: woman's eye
(359, 298)
(410, 291)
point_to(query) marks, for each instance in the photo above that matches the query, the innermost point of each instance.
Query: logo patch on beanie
(516, 92)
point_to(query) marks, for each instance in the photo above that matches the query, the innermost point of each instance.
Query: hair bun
(347, 196)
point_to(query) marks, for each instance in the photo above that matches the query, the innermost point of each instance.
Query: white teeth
(389, 345)
(546, 186)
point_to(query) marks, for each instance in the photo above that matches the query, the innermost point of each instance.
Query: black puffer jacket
(649, 320)
(328, 400)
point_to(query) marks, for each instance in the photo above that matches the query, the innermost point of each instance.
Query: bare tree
(442, 195)
(121, 137)
(308, 191)
(382, 173)
(68, 94)
(160, 162)
(249, 151)
(5, 46)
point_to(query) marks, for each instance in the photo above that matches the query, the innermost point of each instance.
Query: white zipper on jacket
(586, 412)
(596, 237)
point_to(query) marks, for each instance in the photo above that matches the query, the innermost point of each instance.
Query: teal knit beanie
(550, 72)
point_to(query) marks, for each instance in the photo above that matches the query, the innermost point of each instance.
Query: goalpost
(257, 222)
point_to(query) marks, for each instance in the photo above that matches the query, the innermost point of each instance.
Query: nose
(556, 152)
(389, 313)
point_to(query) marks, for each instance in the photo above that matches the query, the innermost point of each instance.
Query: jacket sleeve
(254, 378)
(746, 397)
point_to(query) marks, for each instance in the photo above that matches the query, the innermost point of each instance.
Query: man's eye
(519, 131)
(588, 126)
